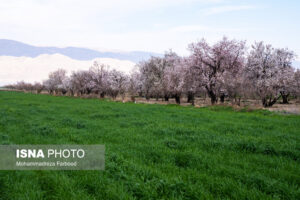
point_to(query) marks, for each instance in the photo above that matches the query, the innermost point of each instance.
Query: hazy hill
(17, 49)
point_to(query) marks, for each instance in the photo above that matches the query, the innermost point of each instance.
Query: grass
(154, 151)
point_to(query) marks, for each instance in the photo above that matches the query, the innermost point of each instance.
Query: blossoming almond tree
(284, 59)
(99, 78)
(81, 82)
(270, 71)
(55, 81)
(226, 56)
(175, 77)
(135, 84)
(117, 83)
(149, 79)
(296, 83)
(153, 75)
(192, 80)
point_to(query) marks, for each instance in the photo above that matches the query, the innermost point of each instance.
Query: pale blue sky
(149, 25)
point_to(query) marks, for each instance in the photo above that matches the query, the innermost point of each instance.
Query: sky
(149, 25)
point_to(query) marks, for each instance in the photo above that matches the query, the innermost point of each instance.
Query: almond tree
(269, 71)
(234, 86)
(192, 80)
(224, 57)
(153, 75)
(49, 86)
(54, 83)
(22, 85)
(81, 82)
(175, 78)
(99, 78)
(169, 65)
(135, 84)
(284, 59)
(38, 87)
(296, 83)
(67, 86)
(147, 76)
(118, 83)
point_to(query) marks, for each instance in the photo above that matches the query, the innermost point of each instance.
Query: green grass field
(154, 151)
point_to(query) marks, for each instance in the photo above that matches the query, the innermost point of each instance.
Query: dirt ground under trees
(292, 108)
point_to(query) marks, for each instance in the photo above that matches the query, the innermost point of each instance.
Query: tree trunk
(191, 98)
(213, 99)
(212, 95)
(284, 96)
(269, 102)
(177, 98)
(166, 98)
(193, 102)
(102, 94)
(285, 99)
(64, 92)
(239, 101)
(222, 98)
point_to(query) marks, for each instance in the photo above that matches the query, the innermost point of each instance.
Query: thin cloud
(225, 9)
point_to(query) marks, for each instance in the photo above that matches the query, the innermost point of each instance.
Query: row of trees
(99, 79)
(223, 70)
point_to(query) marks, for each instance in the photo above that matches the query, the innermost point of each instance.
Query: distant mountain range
(17, 49)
